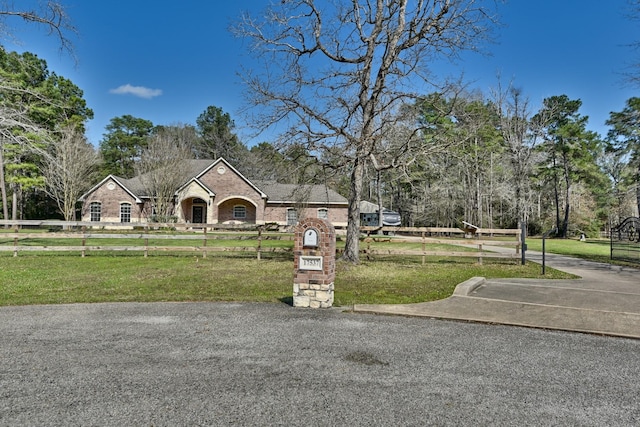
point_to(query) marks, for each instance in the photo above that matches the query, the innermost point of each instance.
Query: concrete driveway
(168, 364)
(605, 300)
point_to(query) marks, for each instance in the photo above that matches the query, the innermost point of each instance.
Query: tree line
(482, 158)
(342, 77)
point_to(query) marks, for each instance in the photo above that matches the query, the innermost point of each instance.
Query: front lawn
(57, 278)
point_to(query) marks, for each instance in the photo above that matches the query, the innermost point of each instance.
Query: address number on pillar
(310, 263)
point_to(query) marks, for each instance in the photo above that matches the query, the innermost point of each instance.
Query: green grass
(401, 281)
(57, 278)
(54, 278)
(592, 249)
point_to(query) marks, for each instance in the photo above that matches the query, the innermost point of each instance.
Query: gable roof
(198, 182)
(300, 193)
(228, 165)
(191, 170)
(125, 184)
(273, 191)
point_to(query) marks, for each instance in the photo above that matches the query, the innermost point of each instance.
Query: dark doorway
(198, 214)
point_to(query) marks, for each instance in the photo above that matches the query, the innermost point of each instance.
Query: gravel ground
(217, 364)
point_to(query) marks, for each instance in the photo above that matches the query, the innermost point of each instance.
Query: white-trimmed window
(125, 212)
(292, 216)
(323, 213)
(95, 211)
(239, 212)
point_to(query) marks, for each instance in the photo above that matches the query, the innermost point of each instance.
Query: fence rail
(22, 238)
(468, 238)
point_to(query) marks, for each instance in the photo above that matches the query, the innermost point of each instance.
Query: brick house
(215, 192)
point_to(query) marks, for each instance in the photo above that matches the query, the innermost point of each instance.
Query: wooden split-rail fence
(477, 239)
(24, 236)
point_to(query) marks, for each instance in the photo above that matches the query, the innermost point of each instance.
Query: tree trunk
(567, 201)
(3, 187)
(14, 204)
(379, 197)
(565, 222)
(556, 196)
(352, 242)
(638, 195)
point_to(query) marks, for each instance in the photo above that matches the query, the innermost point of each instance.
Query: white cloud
(139, 91)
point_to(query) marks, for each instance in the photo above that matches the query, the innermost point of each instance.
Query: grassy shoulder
(58, 278)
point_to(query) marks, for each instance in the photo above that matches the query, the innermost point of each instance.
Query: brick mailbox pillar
(314, 263)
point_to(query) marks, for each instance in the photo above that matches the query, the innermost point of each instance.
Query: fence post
(259, 248)
(523, 236)
(480, 253)
(145, 230)
(204, 244)
(424, 248)
(15, 246)
(84, 240)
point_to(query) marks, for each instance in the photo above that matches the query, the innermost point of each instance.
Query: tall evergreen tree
(123, 143)
(570, 152)
(217, 137)
(624, 137)
(45, 103)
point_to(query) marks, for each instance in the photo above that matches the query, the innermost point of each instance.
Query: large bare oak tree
(333, 73)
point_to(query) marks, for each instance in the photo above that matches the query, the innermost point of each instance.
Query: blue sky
(166, 61)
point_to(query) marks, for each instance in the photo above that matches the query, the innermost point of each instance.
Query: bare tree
(633, 73)
(68, 165)
(335, 72)
(163, 167)
(520, 138)
(50, 14)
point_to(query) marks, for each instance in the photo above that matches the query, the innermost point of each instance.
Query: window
(323, 213)
(239, 212)
(125, 212)
(95, 210)
(292, 216)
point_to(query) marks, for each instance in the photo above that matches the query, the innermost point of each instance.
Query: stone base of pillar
(312, 296)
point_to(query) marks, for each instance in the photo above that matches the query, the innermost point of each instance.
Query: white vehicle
(390, 218)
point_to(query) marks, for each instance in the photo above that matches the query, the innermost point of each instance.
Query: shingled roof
(276, 192)
(299, 193)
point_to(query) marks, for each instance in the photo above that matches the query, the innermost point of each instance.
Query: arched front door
(199, 211)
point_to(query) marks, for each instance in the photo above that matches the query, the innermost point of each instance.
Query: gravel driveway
(270, 364)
